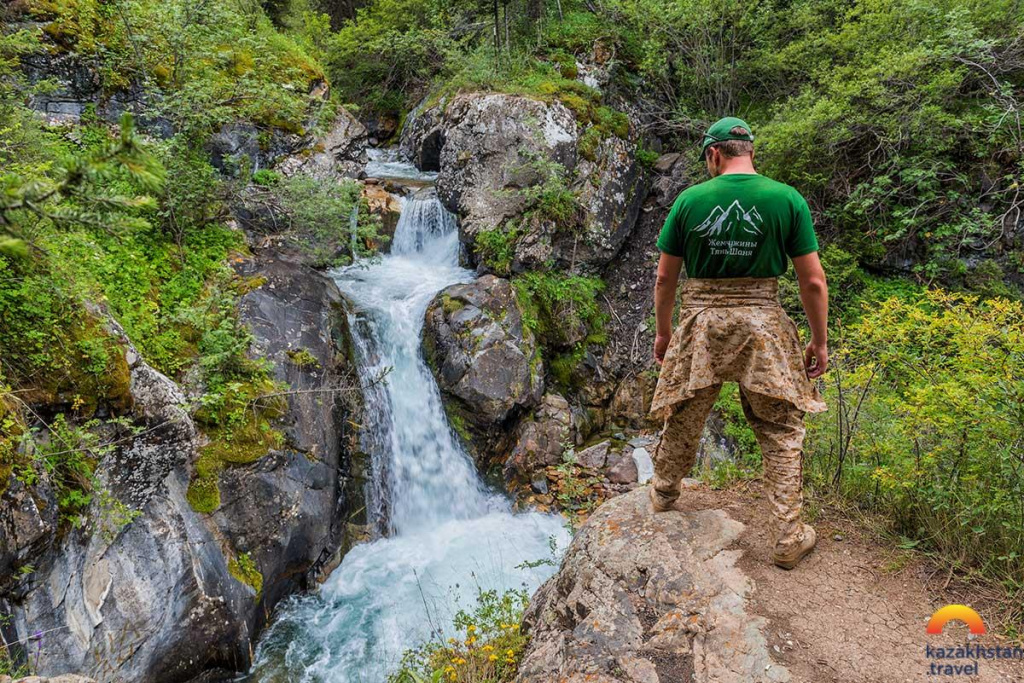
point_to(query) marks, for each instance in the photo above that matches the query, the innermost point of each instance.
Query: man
(735, 234)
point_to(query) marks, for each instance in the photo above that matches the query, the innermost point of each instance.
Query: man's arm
(814, 295)
(669, 268)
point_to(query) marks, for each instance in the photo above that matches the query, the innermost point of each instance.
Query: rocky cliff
(162, 592)
(490, 149)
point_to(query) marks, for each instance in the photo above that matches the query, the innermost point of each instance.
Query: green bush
(925, 399)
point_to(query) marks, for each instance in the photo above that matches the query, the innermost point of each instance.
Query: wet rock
(243, 144)
(645, 597)
(491, 147)
(539, 483)
(541, 438)
(486, 362)
(595, 456)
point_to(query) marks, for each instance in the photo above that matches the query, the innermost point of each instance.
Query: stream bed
(442, 534)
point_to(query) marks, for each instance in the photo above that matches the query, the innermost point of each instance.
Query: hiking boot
(656, 501)
(792, 558)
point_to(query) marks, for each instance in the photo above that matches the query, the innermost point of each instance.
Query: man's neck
(743, 165)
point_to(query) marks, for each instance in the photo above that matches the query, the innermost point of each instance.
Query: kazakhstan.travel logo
(950, 661)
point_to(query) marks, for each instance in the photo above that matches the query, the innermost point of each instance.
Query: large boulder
(338, 153)
(486, 361)
(491, 148)
(152, 590)
(645, 598)
(541, 439)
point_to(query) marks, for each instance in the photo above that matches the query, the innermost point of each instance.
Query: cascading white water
(449, 536)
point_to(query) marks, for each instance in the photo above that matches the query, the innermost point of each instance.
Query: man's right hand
(660, 347)
(816, 359)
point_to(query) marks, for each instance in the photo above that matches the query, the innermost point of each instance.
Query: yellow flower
(488, 647)
(510, 653)
(493, 658)
(452, 641)
(504, 625)
(514, 627)
(460, 660)
(470, 628)
(470, 640)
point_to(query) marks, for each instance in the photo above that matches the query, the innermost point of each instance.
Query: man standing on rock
(735, 234)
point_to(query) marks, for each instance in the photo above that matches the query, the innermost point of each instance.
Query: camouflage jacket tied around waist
(734, 330)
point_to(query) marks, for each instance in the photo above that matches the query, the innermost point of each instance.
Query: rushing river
(445, 535)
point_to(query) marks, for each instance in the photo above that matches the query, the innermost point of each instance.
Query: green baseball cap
(719, 131)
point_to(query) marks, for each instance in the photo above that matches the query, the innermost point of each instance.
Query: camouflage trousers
(779, 427)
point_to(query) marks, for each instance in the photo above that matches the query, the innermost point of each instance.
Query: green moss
(303, 358)
(237, 423)
(589, 142)
(450, 305)
(243, 568)
(458, 423)
(203, 493)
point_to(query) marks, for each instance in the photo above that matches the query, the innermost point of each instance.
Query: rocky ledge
(645, 598)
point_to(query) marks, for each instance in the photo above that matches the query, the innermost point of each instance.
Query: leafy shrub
(319, 219)
(924, 426)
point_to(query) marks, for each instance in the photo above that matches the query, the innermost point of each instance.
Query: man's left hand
(660, 347)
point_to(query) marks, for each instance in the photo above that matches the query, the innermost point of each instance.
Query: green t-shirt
(738, 225)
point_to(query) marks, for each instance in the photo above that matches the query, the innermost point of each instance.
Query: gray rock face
(486, 362)
(340, 153)
(645, 598)
(490, 147)
(541, 439)
(153, 598)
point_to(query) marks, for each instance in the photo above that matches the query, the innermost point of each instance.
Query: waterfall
(442, 534)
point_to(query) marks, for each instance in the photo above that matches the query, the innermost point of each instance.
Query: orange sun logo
(956, 613)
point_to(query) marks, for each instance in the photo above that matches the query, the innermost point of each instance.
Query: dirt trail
(848, 613)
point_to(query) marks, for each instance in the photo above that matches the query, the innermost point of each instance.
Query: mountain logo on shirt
(727, 220)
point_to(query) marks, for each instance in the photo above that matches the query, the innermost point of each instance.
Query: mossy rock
(244, 569)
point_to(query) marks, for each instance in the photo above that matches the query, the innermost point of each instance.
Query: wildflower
(488, 647)
(510, 653)
(452, 641)
(470, 640)
(493, 658)
(504, 625)
(470, 628)
(460, 660)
